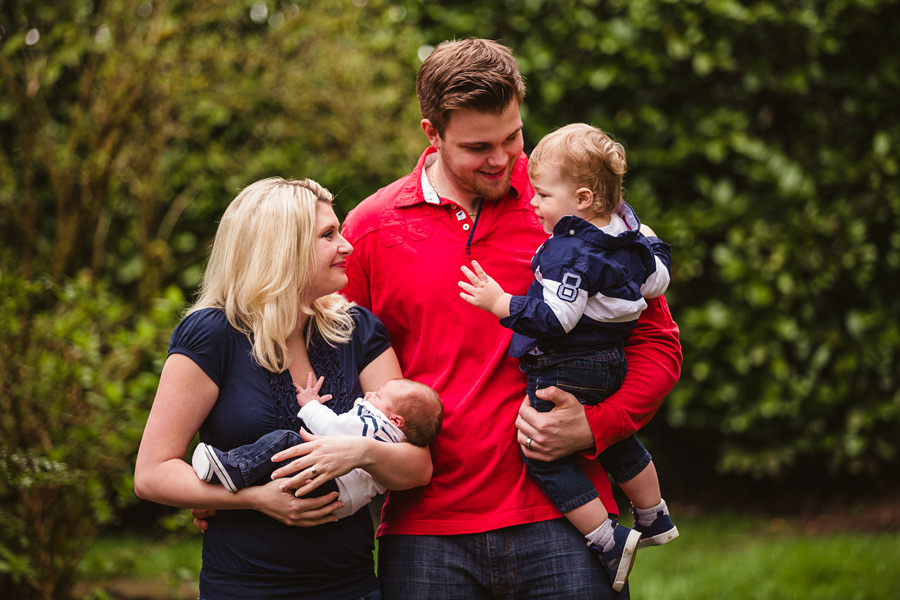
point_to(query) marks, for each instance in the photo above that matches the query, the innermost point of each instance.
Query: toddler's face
(553, 199)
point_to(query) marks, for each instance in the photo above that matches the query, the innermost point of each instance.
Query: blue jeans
(548, 559)
(376, 595)
(591, 377)
(252, 463)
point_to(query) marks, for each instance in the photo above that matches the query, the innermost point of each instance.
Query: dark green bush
(761, 138)
(761, 141)
(77, 368)
(125, 130)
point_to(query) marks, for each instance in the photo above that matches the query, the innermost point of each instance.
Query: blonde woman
(269, 316)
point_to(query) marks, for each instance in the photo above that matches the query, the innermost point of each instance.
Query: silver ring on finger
(528, 443)
(313, 472)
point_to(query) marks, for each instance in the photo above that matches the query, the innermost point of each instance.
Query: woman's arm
(184, 399)
(397, 466)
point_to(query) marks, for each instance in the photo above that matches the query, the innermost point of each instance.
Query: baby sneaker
(619, 559)
(208, 463)
(660, 531)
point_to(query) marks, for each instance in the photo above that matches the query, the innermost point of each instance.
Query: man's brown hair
(473, 73)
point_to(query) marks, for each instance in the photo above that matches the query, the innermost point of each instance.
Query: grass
(720, 556)
(157, 569)
(753, 558)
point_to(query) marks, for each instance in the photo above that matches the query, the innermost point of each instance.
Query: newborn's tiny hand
(310, 393)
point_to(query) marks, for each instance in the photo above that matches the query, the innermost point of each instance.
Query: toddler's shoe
(661, 531)
(620, 558)
(208, 465)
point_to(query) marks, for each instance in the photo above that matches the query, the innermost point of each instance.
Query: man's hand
(310, 393)
(483, 291)
(555, 434)
(201, 517)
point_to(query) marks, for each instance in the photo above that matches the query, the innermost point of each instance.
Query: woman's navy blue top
(247, 554)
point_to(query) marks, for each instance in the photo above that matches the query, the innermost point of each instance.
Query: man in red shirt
(482, 528)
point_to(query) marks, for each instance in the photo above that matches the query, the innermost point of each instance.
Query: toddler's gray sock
(646, 516)
(603, 535)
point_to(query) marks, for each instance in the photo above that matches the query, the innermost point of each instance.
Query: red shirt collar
(411, 193)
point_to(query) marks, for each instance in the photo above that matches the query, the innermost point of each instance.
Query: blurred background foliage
(761, 140)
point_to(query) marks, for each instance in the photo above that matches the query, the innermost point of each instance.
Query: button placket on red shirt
(463, 217)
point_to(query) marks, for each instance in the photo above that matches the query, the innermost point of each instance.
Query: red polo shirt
(405, 268)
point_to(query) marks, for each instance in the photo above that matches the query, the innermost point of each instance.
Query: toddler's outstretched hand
(482, 291)
(311, 392)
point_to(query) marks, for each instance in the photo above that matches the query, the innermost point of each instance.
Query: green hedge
(125, 130)
(761, 140)
(73, 361)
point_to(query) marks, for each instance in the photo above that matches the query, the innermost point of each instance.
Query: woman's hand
(319, 459)
(555, 434)
(284, 506)
(280, 504)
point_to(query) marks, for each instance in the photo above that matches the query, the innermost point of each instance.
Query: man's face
(479, 149)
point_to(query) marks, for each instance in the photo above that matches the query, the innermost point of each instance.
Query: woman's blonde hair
(263, 262)
(586, 157)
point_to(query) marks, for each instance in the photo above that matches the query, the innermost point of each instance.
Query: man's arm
(654, 356)
(654, 365)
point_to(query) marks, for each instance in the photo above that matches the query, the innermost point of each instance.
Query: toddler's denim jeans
(591, 377)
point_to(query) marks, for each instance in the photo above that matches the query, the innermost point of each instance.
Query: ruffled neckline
(324, 360)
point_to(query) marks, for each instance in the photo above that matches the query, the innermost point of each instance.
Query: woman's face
(332, 251)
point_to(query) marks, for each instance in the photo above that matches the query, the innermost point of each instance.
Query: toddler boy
(591, 278)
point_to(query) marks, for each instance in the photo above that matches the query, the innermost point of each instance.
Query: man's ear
(431, 133)
(585, 198)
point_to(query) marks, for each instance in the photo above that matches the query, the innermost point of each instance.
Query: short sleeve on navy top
(370, 337)
(207, 338)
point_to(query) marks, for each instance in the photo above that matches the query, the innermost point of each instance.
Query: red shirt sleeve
(654, 357)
